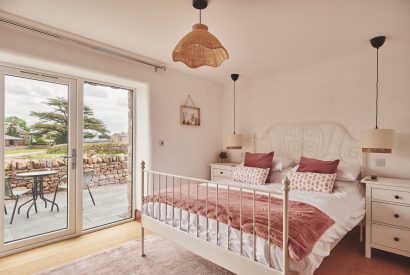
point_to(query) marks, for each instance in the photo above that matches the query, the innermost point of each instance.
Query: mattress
(345, 206)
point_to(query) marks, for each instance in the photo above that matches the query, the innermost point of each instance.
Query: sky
(25, 95)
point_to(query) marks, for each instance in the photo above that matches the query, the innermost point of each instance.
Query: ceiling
(261, 36)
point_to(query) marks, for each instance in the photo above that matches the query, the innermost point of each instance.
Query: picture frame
(190, 115)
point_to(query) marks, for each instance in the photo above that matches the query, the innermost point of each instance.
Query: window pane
(36, 123)
(107, 155)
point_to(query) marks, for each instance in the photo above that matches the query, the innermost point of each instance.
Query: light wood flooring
(346, 258)
(56, 254)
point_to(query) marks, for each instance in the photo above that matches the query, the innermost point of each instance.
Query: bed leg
(142, 242)
(361, 230)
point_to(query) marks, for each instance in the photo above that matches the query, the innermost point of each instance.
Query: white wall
(187, 150)
(340, 90)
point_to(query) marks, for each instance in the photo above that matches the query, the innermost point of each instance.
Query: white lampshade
(234, 141)
(377, 140)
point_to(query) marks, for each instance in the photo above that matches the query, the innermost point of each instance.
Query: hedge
(99, 148)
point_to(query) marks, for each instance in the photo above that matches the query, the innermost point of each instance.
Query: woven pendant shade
(200, 48)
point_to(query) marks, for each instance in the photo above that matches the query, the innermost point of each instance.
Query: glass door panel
(38, 176)
(107, 156)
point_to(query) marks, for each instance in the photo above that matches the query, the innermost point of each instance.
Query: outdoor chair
(13, 194)
(87, 178)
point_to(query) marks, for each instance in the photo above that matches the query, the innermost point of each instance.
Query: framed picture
(190, 116)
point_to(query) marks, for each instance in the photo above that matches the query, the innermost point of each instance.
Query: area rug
(162, 257)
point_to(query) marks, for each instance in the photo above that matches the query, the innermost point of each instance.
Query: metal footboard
(151, 182)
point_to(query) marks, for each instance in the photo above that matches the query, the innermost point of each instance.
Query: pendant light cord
(377, 89)
(200, 16)
(234, 107)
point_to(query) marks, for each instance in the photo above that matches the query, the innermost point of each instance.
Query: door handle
(72, 157)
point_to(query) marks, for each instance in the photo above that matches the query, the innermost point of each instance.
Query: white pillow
(250, 174)
(277, 176)
(348, 172)
(293, 170)
(278, 163)
(281, 163)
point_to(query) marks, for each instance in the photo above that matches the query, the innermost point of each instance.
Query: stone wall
(108, 169)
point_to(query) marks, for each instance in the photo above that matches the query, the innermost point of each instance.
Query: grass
(44, 156)
(21, 151)
(42, 153)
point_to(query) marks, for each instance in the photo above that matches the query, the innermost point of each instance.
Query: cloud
(25, 95)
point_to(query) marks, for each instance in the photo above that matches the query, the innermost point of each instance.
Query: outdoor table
(37, 188)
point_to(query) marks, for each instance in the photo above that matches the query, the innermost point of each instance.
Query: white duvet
(345, 206)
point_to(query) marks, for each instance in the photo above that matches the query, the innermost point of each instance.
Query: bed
(185, 210)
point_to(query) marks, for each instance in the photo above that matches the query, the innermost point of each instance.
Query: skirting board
(216, 254)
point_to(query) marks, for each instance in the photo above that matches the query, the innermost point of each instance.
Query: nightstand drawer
(391, 237)
(391, 214)
(391, 195)
(222, 173)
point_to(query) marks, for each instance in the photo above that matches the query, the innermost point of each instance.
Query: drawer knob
(396, 239)
(397, 197)
(222, 172)
(396, 215)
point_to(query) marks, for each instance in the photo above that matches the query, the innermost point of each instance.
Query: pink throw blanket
(306, 222)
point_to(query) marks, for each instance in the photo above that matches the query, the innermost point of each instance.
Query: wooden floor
(56, 254)
(347, 258)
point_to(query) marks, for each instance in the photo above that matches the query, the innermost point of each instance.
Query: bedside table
(387, 215)
(221, 171)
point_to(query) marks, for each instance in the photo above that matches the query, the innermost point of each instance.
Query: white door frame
(15, 246)
(77, 119)
(80, 146)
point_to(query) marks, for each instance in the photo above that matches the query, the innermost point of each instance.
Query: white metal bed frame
(223, 257)
(315, 139)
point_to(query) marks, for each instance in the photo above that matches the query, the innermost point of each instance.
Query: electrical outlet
(161, 142)
(380, 162)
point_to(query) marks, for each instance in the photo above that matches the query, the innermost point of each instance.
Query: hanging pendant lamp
(234, 140)
(377, 140)
(200, 47)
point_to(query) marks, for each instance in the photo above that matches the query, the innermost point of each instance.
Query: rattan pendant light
(200, 47)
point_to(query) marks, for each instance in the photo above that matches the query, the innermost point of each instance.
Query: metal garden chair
(13, 194)
(87, 178)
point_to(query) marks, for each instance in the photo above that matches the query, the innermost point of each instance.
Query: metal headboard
(321, 140)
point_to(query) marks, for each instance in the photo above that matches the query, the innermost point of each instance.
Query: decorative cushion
(250, 174)
(307, 181)
(259, 160)
(318, 166)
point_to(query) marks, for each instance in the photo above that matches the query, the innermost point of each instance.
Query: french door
(38, 160)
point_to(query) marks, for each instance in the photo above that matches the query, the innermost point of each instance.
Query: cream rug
(162, 257)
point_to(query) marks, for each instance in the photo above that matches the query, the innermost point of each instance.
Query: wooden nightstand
(221, 171)
(387, 215)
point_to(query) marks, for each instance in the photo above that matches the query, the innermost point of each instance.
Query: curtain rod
(79, 43)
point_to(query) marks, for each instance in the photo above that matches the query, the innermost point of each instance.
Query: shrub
(99, 148)
(39, 141)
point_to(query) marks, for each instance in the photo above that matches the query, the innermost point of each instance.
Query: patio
(111, 206)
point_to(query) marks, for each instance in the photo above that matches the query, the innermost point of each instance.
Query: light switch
(380, 162)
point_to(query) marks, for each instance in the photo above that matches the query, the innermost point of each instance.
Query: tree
(54, 125)
(16, 121)
(12, 131)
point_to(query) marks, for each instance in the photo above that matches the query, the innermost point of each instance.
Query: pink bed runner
(306, 222)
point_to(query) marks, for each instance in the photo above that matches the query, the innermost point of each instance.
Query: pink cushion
(318, 166)
(250, 174)
(259, 160)
(316, 182)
